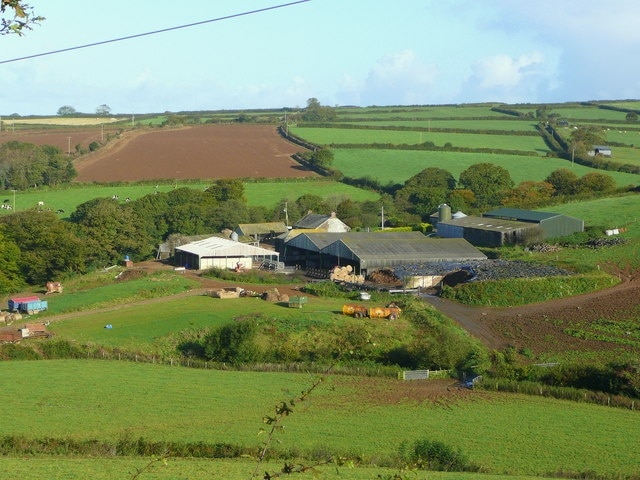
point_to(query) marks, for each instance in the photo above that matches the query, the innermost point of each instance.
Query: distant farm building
(600, 150)
(506, 226)
(218, 252)
(369, 251)
(261, 232)
(321, 223)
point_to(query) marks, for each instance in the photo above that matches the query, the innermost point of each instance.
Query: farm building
(260, 232)
(369, 251)
(488, 232)
(602, 150)
(321, 223)
(508, 226)
(552, 224)
(218, 252)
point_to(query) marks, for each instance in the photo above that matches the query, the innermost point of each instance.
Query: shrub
(428, 454)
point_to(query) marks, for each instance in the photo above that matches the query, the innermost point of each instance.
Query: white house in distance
(218, 252)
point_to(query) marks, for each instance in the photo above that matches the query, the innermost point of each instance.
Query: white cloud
(505, 71)
(399, 78)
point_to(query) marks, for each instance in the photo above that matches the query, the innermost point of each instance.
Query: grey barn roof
(386, 249)
(487, 223)
(521, 215)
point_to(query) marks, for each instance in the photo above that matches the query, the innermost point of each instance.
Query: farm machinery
(391, 311)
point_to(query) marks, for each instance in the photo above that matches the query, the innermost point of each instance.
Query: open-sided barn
(218, 252)
(369, 251)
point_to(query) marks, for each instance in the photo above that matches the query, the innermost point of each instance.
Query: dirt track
(540, 327)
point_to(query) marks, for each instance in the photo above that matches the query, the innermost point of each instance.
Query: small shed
(600, 150)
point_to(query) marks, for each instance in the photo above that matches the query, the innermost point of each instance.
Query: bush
(434, 455)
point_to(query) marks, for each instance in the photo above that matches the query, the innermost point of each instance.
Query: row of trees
(67, 110)
(24, 165)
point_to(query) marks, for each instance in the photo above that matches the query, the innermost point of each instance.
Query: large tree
(20, 17)
(66, 110)
(422, 193)
(49, 247)
(488, 182)
(584, 138)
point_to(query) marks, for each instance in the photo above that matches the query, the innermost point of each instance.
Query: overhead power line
(154, 32)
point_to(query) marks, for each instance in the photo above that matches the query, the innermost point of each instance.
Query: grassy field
(269, 194)
(417, 113)
(326, 136)
(497, 123)
(56, 468)
(397, 166)
(505, 434)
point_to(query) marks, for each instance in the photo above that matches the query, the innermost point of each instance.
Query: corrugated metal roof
(486, 223)
(311, 220)
(221, 247)
(261, 228)
(314, 241)
(382, 249)
(520, 214)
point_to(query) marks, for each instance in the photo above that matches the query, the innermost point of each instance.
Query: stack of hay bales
(233, 292)
(345, 274)
(274, 295)
(9, 317)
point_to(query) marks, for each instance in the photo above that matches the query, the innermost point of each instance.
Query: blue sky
(342, 52)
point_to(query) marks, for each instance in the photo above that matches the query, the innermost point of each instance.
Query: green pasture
(576, 112)
(327, 136)
(503, 433)
(610, 212)
(118, 468)
(268, 194)
(396, 166)
(498, 123)
(150, 325)
(416, 113)
(630, 104)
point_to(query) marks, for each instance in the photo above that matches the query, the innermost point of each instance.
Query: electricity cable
(129, 37)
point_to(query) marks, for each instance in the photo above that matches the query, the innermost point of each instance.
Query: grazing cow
(40, 203)
(60, 211)
(127, 199)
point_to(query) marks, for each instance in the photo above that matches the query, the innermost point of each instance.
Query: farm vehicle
(391, 311)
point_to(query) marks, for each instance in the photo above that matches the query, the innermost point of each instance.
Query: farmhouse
(321, 223)
(369, 251)
(506, 226)
(218, 252)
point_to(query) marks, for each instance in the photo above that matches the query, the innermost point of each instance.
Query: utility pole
(69, 145)
(382, 217)
(286, 214)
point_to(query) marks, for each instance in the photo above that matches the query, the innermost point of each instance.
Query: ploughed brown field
(206, 152)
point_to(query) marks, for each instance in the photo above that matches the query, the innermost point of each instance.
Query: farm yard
(142, 390)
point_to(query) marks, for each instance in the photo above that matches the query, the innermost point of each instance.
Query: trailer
(28, 305)
(14, 303)
(391, 311)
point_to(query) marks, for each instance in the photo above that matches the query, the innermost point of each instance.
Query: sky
(341, 52)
